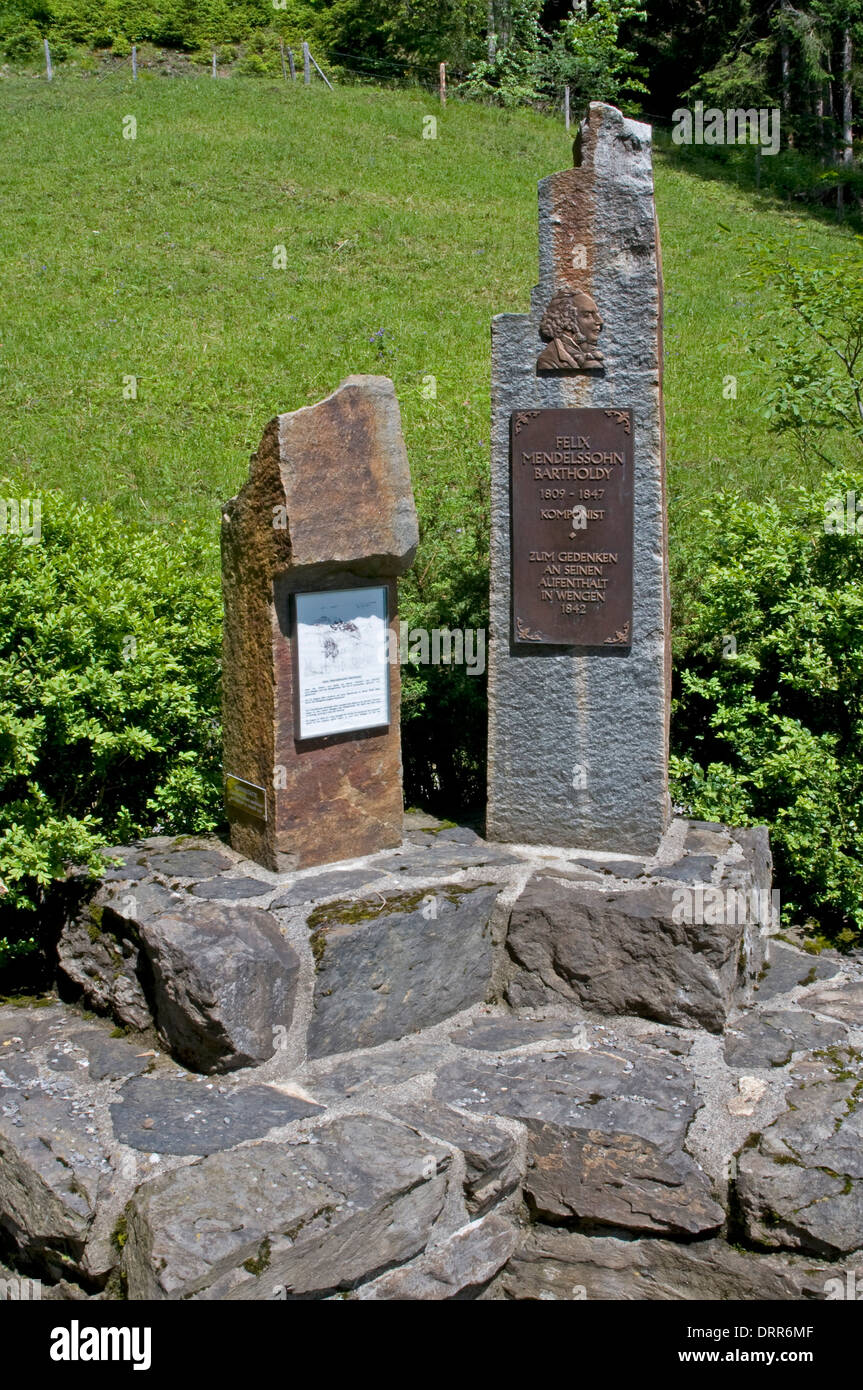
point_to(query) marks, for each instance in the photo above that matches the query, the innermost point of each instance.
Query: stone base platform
(407, 1078)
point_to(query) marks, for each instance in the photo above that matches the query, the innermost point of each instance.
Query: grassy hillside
(153, 258)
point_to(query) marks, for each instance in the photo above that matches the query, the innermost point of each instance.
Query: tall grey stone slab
(578, 734)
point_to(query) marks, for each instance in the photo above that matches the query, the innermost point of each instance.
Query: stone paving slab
(229, 890)
(770, 1038)
(320, 1213)
(163, 1115)
(332, 884)
(494, 1164)
(787, 968)
(503, 1034)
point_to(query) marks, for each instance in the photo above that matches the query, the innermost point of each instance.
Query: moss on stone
(840, 1061)
(120, 1234)
(318, 943)
(347, 912)
(351, 912)
(28, 1001)
(256, 1264)
(117, 1287)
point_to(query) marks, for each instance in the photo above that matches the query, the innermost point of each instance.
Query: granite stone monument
(579, 656)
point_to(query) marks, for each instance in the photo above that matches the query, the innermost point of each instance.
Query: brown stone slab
(328, 505)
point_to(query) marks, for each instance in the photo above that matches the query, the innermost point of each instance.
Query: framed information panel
(341, 661)
(572, 527)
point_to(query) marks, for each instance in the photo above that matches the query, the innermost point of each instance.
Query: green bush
(812, 345)
(261, 56)
(444, 710)
(109, 692)
(116, 24)
(768, 707)
(23, 45)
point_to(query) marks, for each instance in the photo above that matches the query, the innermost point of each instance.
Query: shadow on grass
(799, 181)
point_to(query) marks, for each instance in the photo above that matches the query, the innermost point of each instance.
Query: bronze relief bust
(571, 326)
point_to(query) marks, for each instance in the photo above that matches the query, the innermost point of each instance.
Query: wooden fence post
(322, 74)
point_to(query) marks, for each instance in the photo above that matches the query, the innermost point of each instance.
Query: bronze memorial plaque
(572, 527)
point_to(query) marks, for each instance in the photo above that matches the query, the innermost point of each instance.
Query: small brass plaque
(246, 796)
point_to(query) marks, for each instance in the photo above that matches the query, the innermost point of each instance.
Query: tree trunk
(492, 37)
(847, 99)
(831, 105)
(847, 153)
(785, 62)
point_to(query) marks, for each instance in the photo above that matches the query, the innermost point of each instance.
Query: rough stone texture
(89, 1053)
(493, 1164)
(223, 978)
(231, 889)
(443, 834)
(844, 1002)
(303, 1219)
(622, 868)
(99, 949)
(707, 837)
(770, 1039)
(553, 709)
(191, 863)
(53, 1168)
(410, 964)
(21, 1288)
(786, 968)
(754, 840)
(217, 979)
(503, 1034)
(319, 887)
(611, 1124)
(457, 1268)
(616, 1180)
(636, 1091)
(339, 471)
(178, 1116)
(693, 868)
(427, 860)
(800, 1187)
(132, 867)
(364, 1072)
(624, 952)
(566, 1265)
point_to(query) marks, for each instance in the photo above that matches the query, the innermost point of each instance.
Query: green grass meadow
(152, 258)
